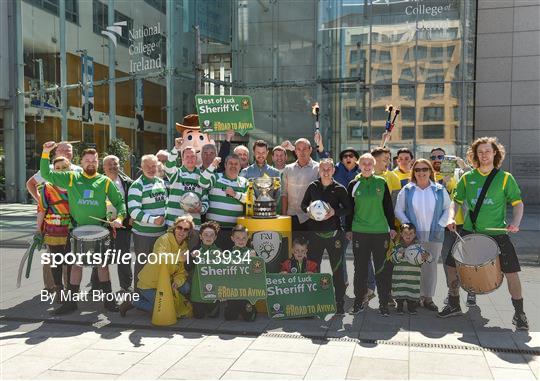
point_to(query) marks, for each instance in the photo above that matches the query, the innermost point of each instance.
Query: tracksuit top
(372, 205)
(87, 195)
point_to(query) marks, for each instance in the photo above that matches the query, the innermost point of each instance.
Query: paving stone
(90, 360)
(506, 360)
(512, 374)
(238, 375)
(25, 367)
(381, 351)
(437, 363)
(363, 368)
(223, 346)
(134, 341)
(274, 362)
(299, 345)
(199, 368)
(69, 375)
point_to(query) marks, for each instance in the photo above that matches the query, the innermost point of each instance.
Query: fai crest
(267, 245)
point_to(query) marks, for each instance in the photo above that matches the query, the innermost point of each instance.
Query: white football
(189, 201)
(318, 210)
(413, 254)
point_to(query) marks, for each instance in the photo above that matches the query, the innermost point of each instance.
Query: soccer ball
(413, 254)
(189, 201)
(318, 210)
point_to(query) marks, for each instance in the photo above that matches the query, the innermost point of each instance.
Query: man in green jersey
(87, 195)
(486, 155)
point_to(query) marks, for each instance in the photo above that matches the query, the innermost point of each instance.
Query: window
(160, 5)
(53, 6)
(354, 114)
(433, 90)
(358, 132)
(382, 76)
(101, 17)
(379, 113)
(359, 38)
(433, 113)
(435, 131)
(408, 113)
(382, 92)
(407, 92)
(357, 56)
(407, 133)
(384, 56)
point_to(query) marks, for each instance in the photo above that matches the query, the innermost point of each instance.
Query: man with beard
(87, 195)
(486, 155)
(260, 167)
(279, 158)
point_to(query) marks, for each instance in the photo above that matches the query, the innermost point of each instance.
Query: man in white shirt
(296, 177)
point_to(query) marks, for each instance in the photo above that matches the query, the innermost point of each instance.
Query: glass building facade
(131, 68)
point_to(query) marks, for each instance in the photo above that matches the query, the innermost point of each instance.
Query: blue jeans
(147, 296)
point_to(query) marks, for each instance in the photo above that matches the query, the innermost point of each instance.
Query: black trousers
(125, 273)
(122, 243)
(364, 246)
(334, 246)
(57, 271)
(299, 229)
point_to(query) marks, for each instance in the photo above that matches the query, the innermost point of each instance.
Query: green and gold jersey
(502, 191)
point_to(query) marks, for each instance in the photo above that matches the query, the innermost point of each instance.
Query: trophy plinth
(264, 205)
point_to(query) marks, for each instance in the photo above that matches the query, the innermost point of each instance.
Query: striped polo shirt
(146, 201)
(222, 208)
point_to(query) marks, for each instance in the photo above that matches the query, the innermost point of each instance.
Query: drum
(90, 239)
(477, 263)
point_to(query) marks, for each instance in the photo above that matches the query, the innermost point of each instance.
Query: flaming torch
(390, 122)
(315, 111)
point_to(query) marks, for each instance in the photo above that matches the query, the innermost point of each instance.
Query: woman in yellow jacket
(175, 244)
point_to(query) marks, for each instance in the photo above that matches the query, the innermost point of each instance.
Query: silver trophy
(265, 190)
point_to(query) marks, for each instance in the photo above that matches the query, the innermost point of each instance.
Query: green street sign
(299, 295)
(219, 113)
(218, 281)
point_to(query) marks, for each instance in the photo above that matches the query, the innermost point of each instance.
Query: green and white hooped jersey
(182, 181)
(146, 201)
(222, 208)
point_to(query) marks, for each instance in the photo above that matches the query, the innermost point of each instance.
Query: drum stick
(99, 219)
(497, 229)
(459, 237)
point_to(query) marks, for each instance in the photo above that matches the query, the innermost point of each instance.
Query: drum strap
(474, 213)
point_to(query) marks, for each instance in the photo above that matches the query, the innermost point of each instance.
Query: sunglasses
(348, 155)
(438, 157)
(424, 169)
(179, 228)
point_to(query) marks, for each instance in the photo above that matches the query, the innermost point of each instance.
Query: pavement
(96, 344)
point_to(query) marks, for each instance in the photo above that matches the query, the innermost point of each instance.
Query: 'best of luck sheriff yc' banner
(219, 113)
(244, 281)
(299, 295)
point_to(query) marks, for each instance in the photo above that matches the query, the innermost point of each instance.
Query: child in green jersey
(408, 257)
(208, 249)
(244, 308)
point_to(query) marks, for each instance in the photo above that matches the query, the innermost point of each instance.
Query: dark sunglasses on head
(438, 157)
(424, 169)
